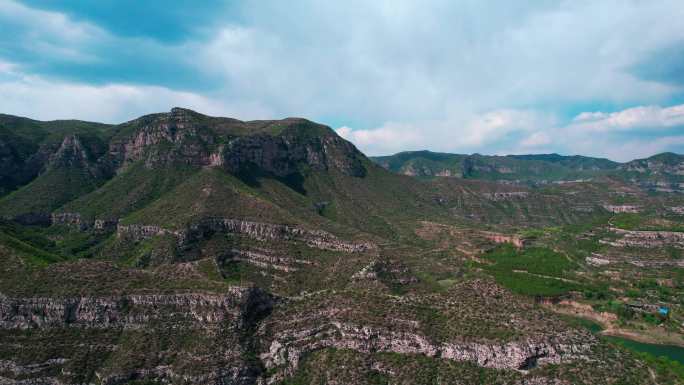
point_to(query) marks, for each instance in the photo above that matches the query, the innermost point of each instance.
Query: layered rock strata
(257, 230)
(647, 239)
(132, 311)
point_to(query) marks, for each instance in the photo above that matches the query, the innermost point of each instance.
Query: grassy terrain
(639, 221)
(330, 365)
(48, 191)
(533, 271)
(531, 168)
(213, 193)
(129, 191)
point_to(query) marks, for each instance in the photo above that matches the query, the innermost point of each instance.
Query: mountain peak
(180, 111)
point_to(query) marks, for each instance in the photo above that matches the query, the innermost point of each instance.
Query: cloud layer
(395, 75)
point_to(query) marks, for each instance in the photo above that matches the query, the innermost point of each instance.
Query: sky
(598, 78)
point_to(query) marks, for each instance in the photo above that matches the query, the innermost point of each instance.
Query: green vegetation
(434, 270)
(59, 241)
(668, 361)
(129, 191)
(533, 271)
(350, 367)
(48, 191)
(33, 255)
(530, 168)
(639, 221)
(220, 195)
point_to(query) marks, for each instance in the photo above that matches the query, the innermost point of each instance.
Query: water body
(674, 353)
(671, 352)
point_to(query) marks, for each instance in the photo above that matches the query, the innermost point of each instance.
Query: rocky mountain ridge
(663, 171)
(283, 149)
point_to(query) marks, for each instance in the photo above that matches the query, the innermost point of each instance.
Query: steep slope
(46, 164)
(68, 173)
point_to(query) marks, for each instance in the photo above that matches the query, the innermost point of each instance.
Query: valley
(182, 248)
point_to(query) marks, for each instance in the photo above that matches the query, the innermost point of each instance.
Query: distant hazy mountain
(666, 167)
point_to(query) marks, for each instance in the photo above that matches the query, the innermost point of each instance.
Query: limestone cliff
(279, 148)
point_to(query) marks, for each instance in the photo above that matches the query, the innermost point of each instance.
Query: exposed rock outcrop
(603, 260)
(223, 321)
(282, 155)
(389, 271)
(287, 348)
(597, 260)
(256, 230)
(507, 195)
(647, 239)
(71, 153)
(435, 327)
(278, 148)
(503, 238)
(76, 221)
(264, 259)
(622, 208)
(133, 311)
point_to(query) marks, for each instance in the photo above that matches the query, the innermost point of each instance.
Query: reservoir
(674, 353)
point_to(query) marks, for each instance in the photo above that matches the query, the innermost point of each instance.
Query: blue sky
(601, 78)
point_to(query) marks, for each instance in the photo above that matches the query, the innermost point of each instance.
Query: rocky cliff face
(407, 326)
(256, 230)
(506, 195)
(219, 324)
(174, 137)
(71, 153)
(622, 208)
(662, 173)
(503, 238)
(264, 259)
(283, 155)
(647, 239)
(235, 323)
(662, 164)
(287, 348)
(186, 137)
(76, 221)
(239, 305)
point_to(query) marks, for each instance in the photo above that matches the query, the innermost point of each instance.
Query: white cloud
(49, 34)
(452, 134)
(408, 62)
(388, 138)
(441, 75)
(46, 99)
(627, 149)
(451, 76)
(46, 23)
(642, 117)
(622, 135)
(536, 140)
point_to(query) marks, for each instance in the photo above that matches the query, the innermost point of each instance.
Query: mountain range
(189, 249)
(659, 171)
